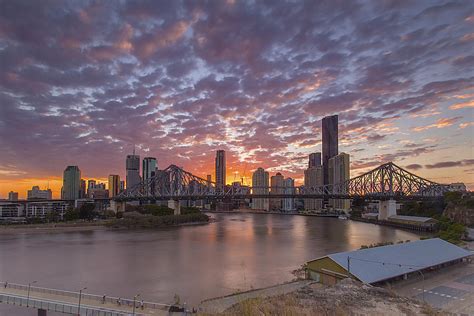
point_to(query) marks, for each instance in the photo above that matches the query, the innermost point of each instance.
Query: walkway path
(18, 294)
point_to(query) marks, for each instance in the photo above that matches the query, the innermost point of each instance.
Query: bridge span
(77, 303)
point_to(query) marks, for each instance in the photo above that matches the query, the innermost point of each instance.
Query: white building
(289, 188)
(36, 194)
(339, 172)
(313, 178)
(260, 179)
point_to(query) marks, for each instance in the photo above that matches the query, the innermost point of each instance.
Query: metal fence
(60, 307)
(86, 296)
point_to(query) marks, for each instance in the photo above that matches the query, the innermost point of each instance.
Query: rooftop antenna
(134, 149)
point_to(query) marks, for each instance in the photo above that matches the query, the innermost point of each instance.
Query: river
(237, 252)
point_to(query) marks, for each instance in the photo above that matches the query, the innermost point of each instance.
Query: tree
(86, 211)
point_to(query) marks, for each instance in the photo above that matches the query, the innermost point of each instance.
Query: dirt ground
(348, 297)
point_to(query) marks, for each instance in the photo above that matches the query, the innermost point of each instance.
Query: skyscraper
(277, 187)
(330, 142)
(289, 188)
(149, 168)
(314, 160)
(339, 172)
(260, 186)
(71, 183)
(220, 170)
(313, 178)
(132, 170)
(114, 185)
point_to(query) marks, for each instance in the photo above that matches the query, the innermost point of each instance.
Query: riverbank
(250, 211)
(53, 227)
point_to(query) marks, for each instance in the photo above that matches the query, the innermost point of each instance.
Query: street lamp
(28, 296)
(80, 296)
(134, 300)
(423, 284)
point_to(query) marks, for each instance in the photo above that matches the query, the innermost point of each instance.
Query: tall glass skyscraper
(149, 167)
(330, 143)
(114, 185)
(71, 183)
(220, 169)
(133, 170)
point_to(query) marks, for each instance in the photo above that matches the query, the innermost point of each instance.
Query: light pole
(28, 296)
(134, 300)
(80, 296)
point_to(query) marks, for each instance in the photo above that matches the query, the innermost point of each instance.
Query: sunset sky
(82, 82)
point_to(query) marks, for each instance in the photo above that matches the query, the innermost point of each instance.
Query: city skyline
(399, 76)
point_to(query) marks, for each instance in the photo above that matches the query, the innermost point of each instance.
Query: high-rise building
(260, 179)
(36, 194)
(122, 186)
(277, 187)
(314, 160)
(114, 185)
(132, 166)
(220, 170)
(330, 142)
(339, 172)
(289, 188)
(91, 184)
(209, 180)
(149, 168)
(313, 178)
(72, 189)
(12, 196)
(83, 192)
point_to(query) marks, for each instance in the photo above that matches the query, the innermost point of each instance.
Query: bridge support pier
(387, 208)
(176, 206)
(41, 312)
(117, 206)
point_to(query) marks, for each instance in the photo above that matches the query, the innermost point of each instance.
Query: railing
(66, 308)
(85, 296)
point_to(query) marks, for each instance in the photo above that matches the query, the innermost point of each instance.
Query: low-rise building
(41, 209)
(10, 210)
(386, 263)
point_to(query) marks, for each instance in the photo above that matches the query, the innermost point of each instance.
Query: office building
(209, 181)
(339, 172)
(260, 179)
(12, 196)
(149, 167)
(114, 185)
(36, 194)
(122, 185)
(314, 160)
(90, 186)
(83, 192)
(289, 188)
(72, 184)
(8, 210)
(313, 180)
(220, 170)
(330, 142)
(277, 187)
(132, 170)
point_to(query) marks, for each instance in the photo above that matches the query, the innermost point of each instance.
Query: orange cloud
(467, 37)
(468, 104)
(441, 123)
(464, 125)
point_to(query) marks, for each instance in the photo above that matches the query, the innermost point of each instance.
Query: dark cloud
(414, 166)
(87, 80)
(449, 164)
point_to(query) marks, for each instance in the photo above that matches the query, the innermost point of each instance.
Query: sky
(83, 82)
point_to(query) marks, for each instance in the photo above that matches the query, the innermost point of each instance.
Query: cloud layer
(83, 82)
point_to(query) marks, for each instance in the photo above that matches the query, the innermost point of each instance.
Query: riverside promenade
(78, 303)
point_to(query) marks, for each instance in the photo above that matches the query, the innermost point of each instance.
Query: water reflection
(196, 262)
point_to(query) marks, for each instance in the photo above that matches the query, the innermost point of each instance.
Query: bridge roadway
(67, 302)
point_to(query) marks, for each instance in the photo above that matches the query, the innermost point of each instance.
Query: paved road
(451, 289)
(61, 299)
(219, 304)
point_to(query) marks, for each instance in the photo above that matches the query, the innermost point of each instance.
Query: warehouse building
(386, 263)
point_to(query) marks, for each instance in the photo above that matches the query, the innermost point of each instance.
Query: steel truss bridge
(387, 181)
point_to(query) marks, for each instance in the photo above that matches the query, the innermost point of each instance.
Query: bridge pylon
(117, 206)
(175, 205)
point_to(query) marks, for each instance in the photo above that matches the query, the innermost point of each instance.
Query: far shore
(52, 227)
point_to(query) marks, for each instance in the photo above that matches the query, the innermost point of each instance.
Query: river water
(237, 252)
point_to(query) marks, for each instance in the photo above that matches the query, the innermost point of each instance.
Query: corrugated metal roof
(368, 264)
(411, 218)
